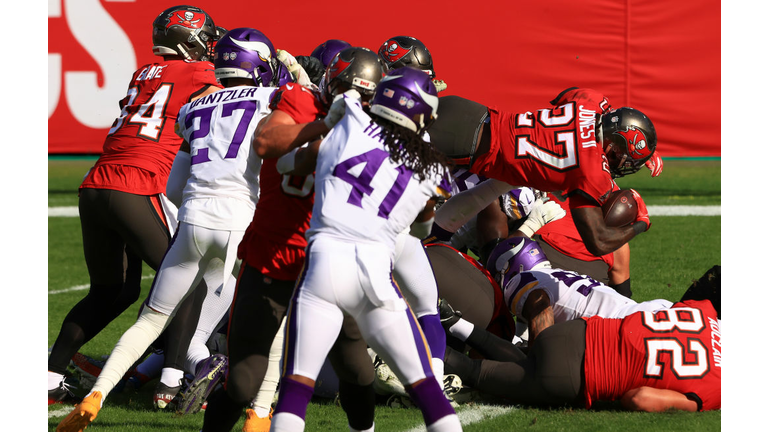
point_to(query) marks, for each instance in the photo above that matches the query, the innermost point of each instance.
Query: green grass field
(675, 251)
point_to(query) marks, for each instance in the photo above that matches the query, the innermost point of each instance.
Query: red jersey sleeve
(301, 103)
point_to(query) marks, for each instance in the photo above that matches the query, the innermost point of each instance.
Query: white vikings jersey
(573, 296)
(223, 184)
(516, 204)
(360, 194)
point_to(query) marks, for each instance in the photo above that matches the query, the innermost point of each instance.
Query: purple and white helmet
(406, 96)
(326, 51)
(515, 255)
(247, 53)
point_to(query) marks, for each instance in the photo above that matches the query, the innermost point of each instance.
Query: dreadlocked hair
(408, 147)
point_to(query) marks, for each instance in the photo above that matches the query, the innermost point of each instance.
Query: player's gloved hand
(300, 76)
(655, 164)
(338, 107)
(313, 67)
(642, 210)
(541, 214)
(440, 85)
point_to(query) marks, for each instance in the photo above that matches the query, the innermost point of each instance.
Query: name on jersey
(717, 340)
(152, 72)
(587, 127)
(225, 95)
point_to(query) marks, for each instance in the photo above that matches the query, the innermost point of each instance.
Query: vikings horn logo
(637, 144)
(392, 51)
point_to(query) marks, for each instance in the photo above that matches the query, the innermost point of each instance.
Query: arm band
(639, 227)
(287, 162)
(421, 230)
(694, 397)
(623, 288)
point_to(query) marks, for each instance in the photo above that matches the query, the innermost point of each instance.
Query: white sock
(269, 385)
(261, 412)
(449, 423)
(438, 368)
(287, 422)
(462, 329)
(370, 429)
(171, 376)
(54, 379)
(129, 348)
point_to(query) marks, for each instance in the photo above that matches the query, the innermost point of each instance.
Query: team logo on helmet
(337, 66)
(392, 51)
(188, 19)
(637, 144)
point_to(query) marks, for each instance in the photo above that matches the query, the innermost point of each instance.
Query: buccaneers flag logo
(637, 144)
(188, 19)
(337, 67)
(392, 51)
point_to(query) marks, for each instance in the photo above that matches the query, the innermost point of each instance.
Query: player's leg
(257, 311)
(352, 364)
(413, 273)
(397, 337)
(114, 269)
(312, 325)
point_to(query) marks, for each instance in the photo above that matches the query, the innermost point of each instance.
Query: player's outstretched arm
(279, 133)
(651, 399)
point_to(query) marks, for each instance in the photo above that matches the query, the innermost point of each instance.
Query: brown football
(620, 209)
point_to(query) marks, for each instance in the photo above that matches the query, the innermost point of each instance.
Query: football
(620, 209)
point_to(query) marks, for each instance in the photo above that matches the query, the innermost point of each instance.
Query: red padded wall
(660, 57)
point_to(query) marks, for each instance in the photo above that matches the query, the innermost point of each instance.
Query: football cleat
(83, 414)
(399, 401)
(165, 396)
(62, 394)
(210, 372)
(448, 315)
(451, 387)
(706, 287)
(385, 381)
(254, 423)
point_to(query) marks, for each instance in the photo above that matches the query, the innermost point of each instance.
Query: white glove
(440, 85)
(541, 214)
(338, 107)
(300, 76)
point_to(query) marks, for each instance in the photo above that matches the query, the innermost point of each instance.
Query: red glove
(655, 164)
(642, 210)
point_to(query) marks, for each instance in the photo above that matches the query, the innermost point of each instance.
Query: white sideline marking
(59, 413)
(684, 210)
(473, 414)
(87, 286)
(652, 211)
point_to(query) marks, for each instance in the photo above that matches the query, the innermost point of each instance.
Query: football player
(351, 245)
(575, 148)
(218, 203)
(273, 255)
(650, 361)
(121, 198)
(402, 51)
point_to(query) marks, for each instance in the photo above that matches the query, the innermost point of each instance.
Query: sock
(268, 388)
(462, 329)
(359, 403)
(171, 376)
(287, 422)
(438, 368)
(370, 429)
(435, 335)
(54, 379)
(449, 423)
(261, 412)
(430, 398)
(130, 348)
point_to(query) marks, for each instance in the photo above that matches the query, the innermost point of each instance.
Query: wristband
(640, 227)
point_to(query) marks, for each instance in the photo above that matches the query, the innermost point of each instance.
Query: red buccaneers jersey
(552, 149)
(563, 236)
(274, 242)
(143, 136)
(677, 349)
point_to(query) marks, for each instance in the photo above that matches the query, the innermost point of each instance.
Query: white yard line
(59, 413)
(85, 287)
(473, 414)
(652, 211)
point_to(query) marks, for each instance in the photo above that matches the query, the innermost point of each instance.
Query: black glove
(313, 67)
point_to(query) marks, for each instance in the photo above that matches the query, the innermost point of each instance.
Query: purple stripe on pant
(418, 336)
(291, 328)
